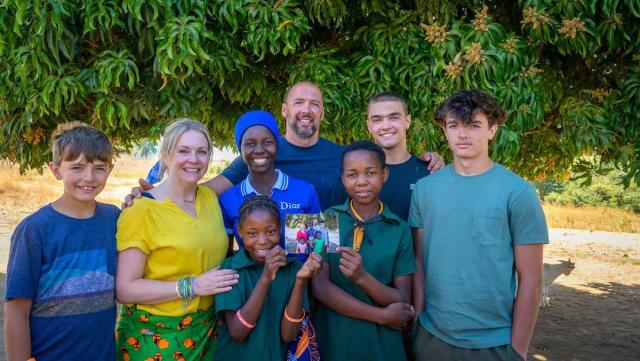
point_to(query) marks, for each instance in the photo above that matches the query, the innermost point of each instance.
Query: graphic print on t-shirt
(75, 284)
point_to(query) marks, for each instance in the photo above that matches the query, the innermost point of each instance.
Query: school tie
(358, 225)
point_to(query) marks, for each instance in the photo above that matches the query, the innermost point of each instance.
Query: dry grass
(21, 195)
(594, 219)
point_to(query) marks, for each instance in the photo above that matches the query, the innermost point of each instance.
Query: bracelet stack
(185, 289)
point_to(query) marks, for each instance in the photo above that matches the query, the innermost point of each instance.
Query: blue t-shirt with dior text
(292, 195)
(66, 266)
(318, 164)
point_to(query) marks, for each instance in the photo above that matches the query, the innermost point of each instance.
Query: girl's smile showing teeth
(260, 232)
(263, 252)
(260, 161)
(258, 150)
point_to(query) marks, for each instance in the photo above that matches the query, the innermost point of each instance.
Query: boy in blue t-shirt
(59, 302)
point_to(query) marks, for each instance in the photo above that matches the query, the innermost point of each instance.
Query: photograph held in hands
(307, 233)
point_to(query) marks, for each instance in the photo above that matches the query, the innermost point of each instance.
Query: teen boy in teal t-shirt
(474, 224)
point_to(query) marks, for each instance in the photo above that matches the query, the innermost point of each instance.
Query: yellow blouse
(176, 244)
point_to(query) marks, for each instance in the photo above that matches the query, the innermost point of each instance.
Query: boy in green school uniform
(364, 290)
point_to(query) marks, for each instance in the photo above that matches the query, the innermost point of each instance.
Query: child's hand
(351, 264)
(397, 315)
(273, 261)
(215, 281)
(311, 267)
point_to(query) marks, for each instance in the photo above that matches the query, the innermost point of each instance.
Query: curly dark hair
(258, 202)
(464, 104)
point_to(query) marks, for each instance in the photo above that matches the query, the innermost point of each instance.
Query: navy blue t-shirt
(396, 191)
(66, 266)
(318, 164)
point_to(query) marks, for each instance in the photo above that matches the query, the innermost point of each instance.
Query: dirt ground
(594, 311)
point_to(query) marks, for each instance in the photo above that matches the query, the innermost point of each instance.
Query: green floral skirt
(141, 336)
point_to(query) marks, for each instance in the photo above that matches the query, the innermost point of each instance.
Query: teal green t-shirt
(387, 252)
(264, 342)
(318, 246)
(471, 224)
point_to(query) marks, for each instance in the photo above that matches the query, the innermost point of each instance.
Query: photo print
(306, 233)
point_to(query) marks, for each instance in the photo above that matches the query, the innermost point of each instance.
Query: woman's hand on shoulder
(215, 281)
(311, 267)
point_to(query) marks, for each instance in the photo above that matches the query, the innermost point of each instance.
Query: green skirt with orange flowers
(141, 336)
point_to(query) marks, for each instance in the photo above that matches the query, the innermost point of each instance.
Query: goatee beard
(304, 133)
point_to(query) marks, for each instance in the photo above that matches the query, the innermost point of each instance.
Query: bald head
(298, 84)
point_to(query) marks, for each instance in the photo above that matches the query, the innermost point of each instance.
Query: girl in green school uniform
(265, 310)
(365, 289)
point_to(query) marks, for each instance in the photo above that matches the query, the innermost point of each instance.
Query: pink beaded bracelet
(244, 322)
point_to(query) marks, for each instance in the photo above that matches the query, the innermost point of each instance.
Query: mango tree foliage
(566, 71)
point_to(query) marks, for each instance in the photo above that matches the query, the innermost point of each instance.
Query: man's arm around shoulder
(233, 174)
(218, 184)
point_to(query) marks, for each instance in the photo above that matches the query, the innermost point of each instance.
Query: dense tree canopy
(566, 71)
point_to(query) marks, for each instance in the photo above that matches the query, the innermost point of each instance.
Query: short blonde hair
(72, 139)
(172, 134)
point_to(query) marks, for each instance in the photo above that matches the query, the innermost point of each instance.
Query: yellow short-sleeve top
(176, 244)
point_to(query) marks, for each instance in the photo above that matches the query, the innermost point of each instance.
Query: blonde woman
(170, 243)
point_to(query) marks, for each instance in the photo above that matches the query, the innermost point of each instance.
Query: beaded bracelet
(188, 289)
(185, 288)
(291, 319)
(244, 322)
